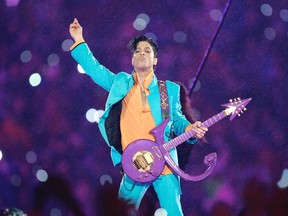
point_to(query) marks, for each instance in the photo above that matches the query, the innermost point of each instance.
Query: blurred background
(53, 160)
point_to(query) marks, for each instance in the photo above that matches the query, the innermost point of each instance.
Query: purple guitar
(143, 160)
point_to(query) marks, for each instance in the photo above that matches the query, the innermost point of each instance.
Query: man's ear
(155, 61)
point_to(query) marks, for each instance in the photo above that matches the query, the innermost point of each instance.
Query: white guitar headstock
(236, 107)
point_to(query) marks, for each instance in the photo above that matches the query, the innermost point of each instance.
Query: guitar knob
(140, 176)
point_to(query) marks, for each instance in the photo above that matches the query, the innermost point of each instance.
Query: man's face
(143, 57)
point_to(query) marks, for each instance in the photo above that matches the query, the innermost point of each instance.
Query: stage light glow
(269, 33)
(180, 37)
(15, 180)
(283, 182)
(161, 212)
(35, 168)
(141, 22)
(31, 157)
(12, 3)
(53, 60)
(105, 178)
(144, 17)
(266, 10)
(90, 115)
(216, 15)
(55, 212)
(66, 44)
(80, 69)
(284, 15)
(151, 35)
(1, 155)
(97, 115)
(35, 79)
(197, 85)
(93, 115)
(42, 175)
(26, 56)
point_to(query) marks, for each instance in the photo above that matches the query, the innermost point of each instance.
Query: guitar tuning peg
(230, 100)
(245, 109)
(239, 99)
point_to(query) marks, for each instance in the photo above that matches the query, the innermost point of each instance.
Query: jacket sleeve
(180, 123)
(99, 74)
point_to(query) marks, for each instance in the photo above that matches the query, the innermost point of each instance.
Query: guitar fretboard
(190, 133)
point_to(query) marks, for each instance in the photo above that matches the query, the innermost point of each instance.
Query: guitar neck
(190, 133)
(214, 119)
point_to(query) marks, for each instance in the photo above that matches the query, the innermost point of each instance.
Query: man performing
(132, 109)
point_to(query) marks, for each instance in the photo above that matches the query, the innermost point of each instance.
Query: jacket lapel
(154, 101)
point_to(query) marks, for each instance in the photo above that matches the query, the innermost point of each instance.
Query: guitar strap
(164, 99)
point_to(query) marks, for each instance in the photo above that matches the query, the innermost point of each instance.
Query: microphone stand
(194, 80)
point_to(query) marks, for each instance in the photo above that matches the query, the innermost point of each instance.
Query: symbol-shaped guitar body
(143, 160)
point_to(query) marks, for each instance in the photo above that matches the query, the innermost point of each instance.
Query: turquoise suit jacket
(118, 85)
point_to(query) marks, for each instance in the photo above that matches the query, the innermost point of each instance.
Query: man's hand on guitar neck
(199, 129)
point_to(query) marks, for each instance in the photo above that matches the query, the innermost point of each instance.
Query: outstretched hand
(76, 31)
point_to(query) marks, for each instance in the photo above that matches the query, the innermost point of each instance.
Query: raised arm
(83, 56)
(76, 31)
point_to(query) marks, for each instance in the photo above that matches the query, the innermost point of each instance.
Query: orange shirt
(136, 119)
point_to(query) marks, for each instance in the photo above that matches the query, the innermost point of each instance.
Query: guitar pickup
(143, 161)
(148, 158)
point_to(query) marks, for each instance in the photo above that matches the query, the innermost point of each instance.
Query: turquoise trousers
(167, 188)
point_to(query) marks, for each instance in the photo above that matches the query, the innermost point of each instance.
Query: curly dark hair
(132, 45)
